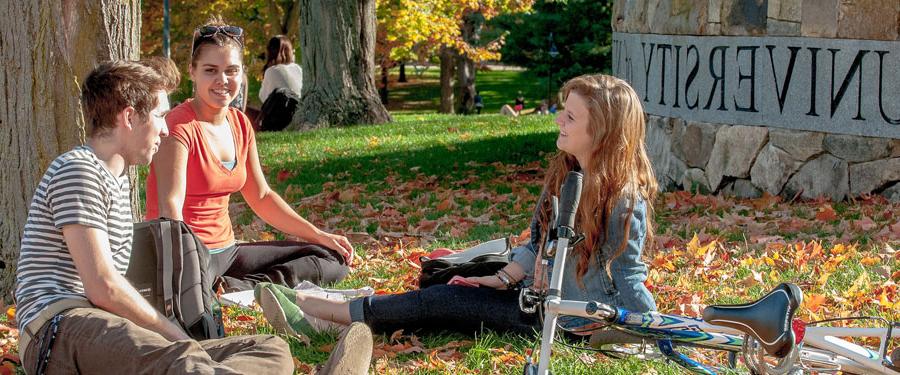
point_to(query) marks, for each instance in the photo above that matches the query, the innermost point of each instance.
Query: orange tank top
(209, 183)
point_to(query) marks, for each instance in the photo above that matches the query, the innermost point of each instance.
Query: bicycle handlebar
(570, 195)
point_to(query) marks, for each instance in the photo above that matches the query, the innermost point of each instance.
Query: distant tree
(582, 33)
(338, 42)
(449, 29)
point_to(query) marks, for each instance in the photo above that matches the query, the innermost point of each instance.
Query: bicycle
(781, 345)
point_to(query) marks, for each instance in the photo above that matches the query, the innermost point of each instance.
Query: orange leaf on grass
(814, 302)
(244, 318)
(826, 213)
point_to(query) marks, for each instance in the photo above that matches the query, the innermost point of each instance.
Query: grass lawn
(400, 190)
(497, 86)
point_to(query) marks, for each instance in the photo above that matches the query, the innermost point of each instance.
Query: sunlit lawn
(400, 190)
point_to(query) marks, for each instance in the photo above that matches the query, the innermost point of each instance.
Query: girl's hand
(488, 281)
(337, 243)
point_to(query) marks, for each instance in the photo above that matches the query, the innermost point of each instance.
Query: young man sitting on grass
(71, 293)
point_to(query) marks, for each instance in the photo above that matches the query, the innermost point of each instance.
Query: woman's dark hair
(278, 51)
(221, 39)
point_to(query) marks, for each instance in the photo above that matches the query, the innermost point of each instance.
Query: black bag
(278, 110)
(482, 260)
(169, 268)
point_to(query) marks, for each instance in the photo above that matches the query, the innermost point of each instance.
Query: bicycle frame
(822, 348)
(855, 357)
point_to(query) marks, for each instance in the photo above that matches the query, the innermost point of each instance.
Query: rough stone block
(782, 28)
(825, 175)
(742, 188)
(773, 168)
(714, 11)
(870, 19)
(801, 145)
(713, 29)
(677, 169)
(695, 176)
(892, 193)
(683, 17)
(895, 148)
(733, 154)
(635, 16)
(744, 17)
(855, 149)
(784, 10)
(819, 18)
(693, 142)
(874, 175)
(659, 149)
(618, 16)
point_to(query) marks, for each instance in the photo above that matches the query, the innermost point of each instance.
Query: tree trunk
(447, 56)
(383, 91)
(46, 49)
(465, 68)
(337, 38)
(285, 14)
(465, 83)
(402, 77)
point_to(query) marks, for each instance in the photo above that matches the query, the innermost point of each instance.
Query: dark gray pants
(445, 308)
(244, 265)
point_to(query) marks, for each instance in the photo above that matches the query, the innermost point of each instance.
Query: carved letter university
(829, 85)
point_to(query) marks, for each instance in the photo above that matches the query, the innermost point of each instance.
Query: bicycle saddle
(768, 319)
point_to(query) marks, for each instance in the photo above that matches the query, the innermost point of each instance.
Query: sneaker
(309, 288)
(317, 325)
(352, 354)
(282, 312)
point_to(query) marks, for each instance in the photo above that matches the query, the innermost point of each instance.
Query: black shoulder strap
(164, 259)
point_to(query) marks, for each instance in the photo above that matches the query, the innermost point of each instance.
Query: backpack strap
(165, 259)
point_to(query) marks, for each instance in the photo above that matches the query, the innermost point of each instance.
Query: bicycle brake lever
(578, 238)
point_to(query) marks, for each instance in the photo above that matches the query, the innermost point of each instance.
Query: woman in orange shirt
(211, 153)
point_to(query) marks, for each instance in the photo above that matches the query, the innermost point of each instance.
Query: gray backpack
(169, 268)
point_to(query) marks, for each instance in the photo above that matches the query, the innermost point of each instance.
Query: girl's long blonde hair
(618, 167)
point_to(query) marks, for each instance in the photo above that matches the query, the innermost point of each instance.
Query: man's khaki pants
(93, 341)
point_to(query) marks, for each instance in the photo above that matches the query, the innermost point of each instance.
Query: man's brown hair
(115, 85)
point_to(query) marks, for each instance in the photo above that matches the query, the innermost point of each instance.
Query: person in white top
(280, 69)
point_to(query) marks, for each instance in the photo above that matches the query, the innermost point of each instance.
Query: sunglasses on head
(233, 32)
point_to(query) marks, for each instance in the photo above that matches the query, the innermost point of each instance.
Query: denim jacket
(626, 287)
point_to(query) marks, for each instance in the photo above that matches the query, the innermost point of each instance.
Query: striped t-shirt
(76, 189)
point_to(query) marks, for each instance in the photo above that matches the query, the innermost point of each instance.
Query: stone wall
(746, 161)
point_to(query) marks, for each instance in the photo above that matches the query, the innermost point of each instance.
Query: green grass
(422, 94)
(415, 163)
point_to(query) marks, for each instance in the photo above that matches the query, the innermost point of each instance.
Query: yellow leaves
(885, 302)
(870, 261)
(372, 142)
(699, 251)
(861, 284)
(266, 236)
